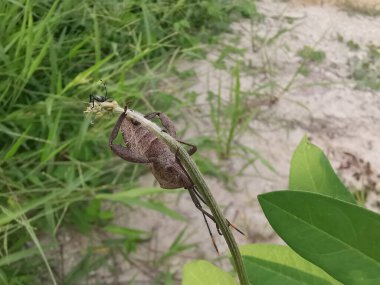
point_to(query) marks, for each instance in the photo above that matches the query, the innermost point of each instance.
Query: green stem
(199, 182)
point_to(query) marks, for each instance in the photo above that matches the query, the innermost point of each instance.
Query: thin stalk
(196, 177)
(235, 98)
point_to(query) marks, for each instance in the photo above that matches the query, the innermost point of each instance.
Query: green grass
(54, 162)
(366, 71)
(353, 46)
(230, 120)
(309, 54)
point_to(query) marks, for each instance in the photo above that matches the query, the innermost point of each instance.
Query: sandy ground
(325, 105)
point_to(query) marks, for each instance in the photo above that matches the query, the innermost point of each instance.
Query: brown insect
(142, 146)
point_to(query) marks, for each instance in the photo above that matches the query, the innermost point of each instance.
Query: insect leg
(193, 148)
(165, 121)
(203, 200)
(170, 128)
(92, 101)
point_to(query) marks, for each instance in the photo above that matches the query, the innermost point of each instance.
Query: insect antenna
(204, 213)
(194, 194)
(105, 87)
(228, 222)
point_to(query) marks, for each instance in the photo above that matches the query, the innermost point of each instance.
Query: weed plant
(55, 165)
(230, 120)
(366, 71)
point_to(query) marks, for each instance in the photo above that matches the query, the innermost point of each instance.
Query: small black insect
(99, 98)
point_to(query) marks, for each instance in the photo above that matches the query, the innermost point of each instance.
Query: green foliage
(177, 246)
(304, 70)
(277, 264)
(366, 71)
(330, 239)
(208, 167)
(54, 163)
(85, 215)
(226, 51)
(340, 38)
(88, 263)
(132, 198)
(311, 55)
(231, 119)
(337, 236)
(310, 170)
(201, 272)
(226, 118)
(126, 239)
(353, 45)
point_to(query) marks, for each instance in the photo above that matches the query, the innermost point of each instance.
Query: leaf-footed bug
(142, 146)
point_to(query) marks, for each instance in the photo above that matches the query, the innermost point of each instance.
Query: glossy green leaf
(269, 264)
(339, 237)
(200, 272)
(311, 171)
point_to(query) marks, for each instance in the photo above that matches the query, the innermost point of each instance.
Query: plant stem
(199, 182)
(235, 99)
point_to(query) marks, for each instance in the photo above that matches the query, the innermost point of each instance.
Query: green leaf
(13, 149)
(89, 263)
(129, 194)
(311, 171)
(276, 264)
(200, 272)
(156, 206)
(178, 245)
(126, 232)
(130, 198)
(339, 237)
(9, 214)
(7, 260)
